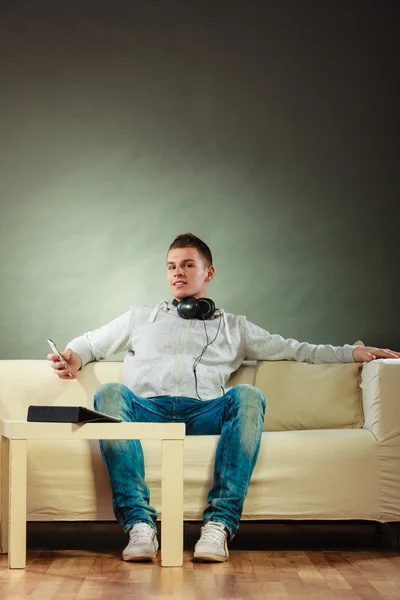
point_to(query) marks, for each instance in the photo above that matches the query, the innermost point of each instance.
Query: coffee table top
(24, 430)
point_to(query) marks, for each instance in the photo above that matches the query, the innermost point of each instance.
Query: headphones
(202, 309)
(195, 308)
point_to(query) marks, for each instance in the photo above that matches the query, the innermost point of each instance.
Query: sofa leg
(398, 536)
(381, 528)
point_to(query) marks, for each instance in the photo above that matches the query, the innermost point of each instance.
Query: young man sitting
(179, 357)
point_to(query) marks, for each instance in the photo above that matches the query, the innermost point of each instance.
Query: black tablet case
(68, 414)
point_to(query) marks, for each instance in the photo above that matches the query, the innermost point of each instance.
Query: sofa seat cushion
(310, 396)
(323, 474)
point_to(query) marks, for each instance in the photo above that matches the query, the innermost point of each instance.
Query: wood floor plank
(248, 575)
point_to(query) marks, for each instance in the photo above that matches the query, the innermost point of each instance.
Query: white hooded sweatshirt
(161, 348)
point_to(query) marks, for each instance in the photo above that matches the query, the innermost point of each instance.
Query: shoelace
(140, 534)
(213, 534)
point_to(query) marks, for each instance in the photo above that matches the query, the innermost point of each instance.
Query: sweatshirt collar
(169, 306)
(157, 309)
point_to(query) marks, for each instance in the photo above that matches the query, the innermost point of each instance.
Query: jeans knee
(246, 395)
(108, 397)
(248, 409)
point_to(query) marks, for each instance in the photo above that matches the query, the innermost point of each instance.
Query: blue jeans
(237, 417)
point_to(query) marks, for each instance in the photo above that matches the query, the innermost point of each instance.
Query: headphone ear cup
(188, 307)
(206, 308)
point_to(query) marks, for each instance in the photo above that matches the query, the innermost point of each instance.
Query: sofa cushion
(299, 395)
(310, 396)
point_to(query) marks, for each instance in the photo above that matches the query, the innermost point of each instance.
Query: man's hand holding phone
(65, 365)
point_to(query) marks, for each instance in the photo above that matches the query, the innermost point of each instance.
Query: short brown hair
(189, 240)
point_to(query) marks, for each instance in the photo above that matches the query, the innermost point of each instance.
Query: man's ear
(211, 273)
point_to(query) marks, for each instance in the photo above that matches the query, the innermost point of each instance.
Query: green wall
(271, 132)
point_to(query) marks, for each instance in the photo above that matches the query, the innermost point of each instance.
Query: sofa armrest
(380, 385)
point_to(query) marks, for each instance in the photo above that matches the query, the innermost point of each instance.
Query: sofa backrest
(299, 395)
(306, 396)
(310, 396)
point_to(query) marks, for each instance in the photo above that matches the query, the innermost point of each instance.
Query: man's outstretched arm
(262, 345)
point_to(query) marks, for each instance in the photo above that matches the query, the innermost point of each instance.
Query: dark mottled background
(269, 129)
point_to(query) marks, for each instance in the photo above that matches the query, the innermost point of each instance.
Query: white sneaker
(143, 543)
(212, 545)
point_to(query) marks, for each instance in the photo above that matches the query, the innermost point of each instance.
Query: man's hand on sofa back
(71, 365)
(368, 353)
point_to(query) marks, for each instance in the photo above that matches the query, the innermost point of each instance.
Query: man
(179, 357)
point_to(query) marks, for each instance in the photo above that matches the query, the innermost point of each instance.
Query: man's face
(187, 273)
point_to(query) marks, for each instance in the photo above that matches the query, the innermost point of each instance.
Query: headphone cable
(198, 359)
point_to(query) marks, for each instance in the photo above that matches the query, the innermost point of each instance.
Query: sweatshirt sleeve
(262, 345)
(105, 341)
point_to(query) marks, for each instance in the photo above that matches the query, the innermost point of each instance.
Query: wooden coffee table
(13, 492)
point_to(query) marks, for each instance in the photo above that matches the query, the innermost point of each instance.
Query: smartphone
(56, 351)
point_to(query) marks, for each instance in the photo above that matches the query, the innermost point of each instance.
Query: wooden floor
(274, 562)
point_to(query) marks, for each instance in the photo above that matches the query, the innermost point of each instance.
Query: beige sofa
(330, 447)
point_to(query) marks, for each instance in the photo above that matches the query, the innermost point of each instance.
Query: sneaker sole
(140, 557)
(205, 557)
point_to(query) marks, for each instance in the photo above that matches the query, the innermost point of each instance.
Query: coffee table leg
(4, 492)
(17, 506)
(172, 503)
